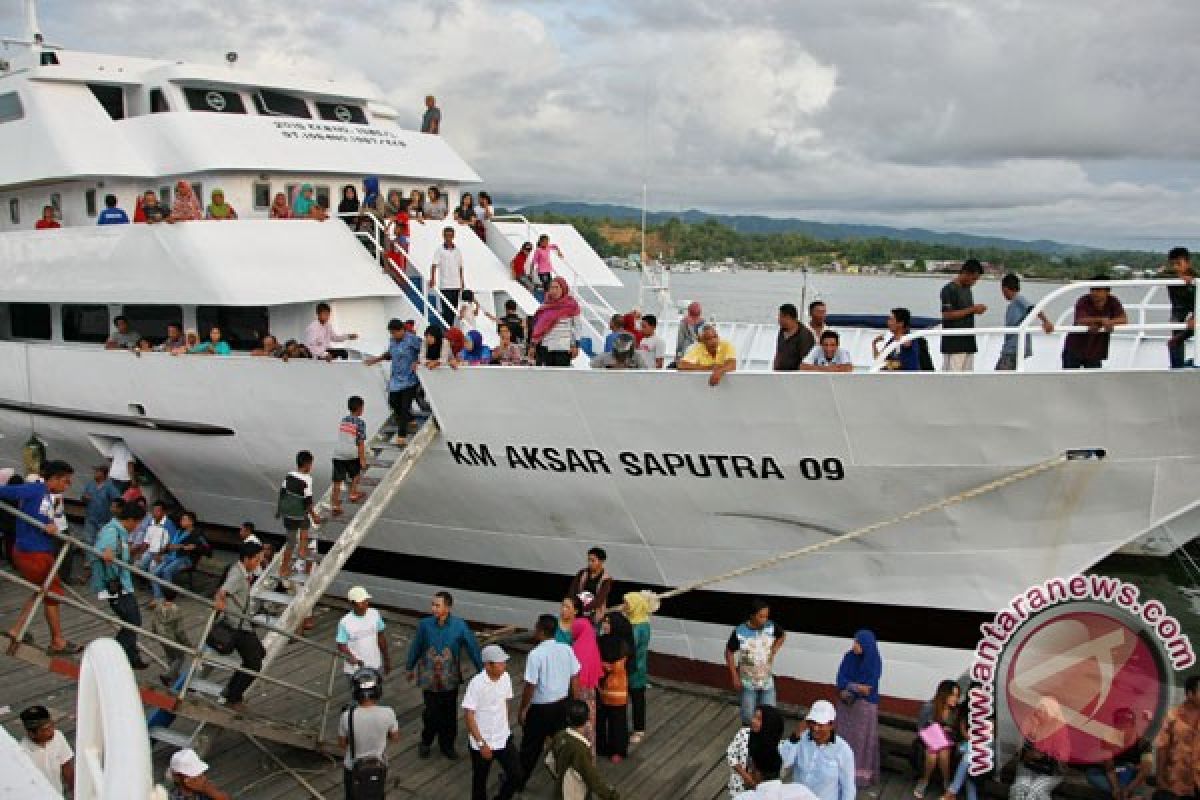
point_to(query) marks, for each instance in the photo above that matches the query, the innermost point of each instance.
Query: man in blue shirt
(116, 581)
(435, 663)
(818, 758)
(1018, 309)
(404, 351)
(35, 550)
(98, 496)
(551, 679)
(111, 215)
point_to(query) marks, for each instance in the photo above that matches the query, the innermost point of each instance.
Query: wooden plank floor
(683, 755)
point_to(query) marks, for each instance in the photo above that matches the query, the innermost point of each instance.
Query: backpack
(368, 775)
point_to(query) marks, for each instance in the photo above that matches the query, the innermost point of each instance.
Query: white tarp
(242, 263)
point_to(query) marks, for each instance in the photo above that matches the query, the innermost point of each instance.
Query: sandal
(358, 497)
(69, 649)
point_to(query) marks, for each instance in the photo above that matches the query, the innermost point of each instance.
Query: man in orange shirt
(1178, 748)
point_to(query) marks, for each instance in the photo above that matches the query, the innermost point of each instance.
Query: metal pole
(333, 665)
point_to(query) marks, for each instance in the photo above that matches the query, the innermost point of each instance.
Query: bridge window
(85, 323)
(158, 102)
(89, 202)
(14, 211)
(29, 320)
(321, 194)
(278, 104)
(242, 326)
(111, 97)
(214, 100)
(10, 107)
(152, 321)
(342, 112)
(262, 196)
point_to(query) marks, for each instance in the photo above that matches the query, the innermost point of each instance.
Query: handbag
(222, 637)
(368, 775)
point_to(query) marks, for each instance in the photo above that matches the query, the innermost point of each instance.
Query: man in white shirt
(485, 704)
(448, 269)
(360, 636)
(320, 334)
(122, 470)
(47, 748)
(156, 539)
(829, 357)
(652, 347)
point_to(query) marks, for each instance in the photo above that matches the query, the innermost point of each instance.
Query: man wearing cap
(47, 748)
(360, 636)
(818, 758)
(485, 704)
(190, 776)
(404, 351)
(435, 663)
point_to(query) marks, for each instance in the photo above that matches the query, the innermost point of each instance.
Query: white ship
(675, 479)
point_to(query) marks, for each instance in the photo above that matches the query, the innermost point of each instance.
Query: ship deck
(683, 755)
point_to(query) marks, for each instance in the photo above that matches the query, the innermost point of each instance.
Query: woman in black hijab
(349, 205)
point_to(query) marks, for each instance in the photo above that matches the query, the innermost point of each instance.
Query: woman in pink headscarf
(556, 327)
(689, 329)
(591, 670)
(187, 205)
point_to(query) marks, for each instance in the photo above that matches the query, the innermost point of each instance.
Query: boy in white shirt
(486, 705)
(653, 348)
(47, 748)
(829, 357)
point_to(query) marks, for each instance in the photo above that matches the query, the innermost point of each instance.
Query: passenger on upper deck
(1018, 309)
(150, 210)
(174, 340)
(710, 354)
(464, 212)
(829, 356)
(187, 206)
(624, 355)
(520, 268)
(305, 207)
(484, 211)
(280, 208)
(218, 208)
(349, 206)
(794, 341)
(270, 348)
(215, 346)
(122, 338)
(111, 215)
(320, 334)
(416, 205)
(398, 232)
(689, 329)
(1183, 305)
(435, 204)
(652, 347)
(475, 353)
(959, 310)
(543, 262)
(816, 319)
(1101, 312)
(431, 120)
(556, 327)
(448, 268)
(908, 357)
(392, 206)
(48, 220)
(507, 353)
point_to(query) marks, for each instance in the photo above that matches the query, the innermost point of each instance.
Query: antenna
(33, 31)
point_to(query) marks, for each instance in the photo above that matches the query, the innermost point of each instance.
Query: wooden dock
(683, 755)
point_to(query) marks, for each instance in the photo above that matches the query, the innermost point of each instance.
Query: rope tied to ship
(655, 598)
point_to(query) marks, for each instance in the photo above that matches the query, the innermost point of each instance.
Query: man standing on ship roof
(793, 342)
(959, 310)
(431, 120)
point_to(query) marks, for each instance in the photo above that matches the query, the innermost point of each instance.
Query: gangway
(195, 696)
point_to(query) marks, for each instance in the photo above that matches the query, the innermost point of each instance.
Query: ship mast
(33, 31)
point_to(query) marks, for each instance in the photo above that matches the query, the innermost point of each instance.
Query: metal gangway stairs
(280, 604)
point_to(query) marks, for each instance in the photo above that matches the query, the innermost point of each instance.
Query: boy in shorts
(349, 454)
(295, 507)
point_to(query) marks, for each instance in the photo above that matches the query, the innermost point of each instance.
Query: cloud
(1063, 118)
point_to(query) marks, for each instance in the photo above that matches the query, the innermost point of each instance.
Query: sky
(1073, 120)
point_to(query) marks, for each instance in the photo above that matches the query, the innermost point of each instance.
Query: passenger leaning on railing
(1100, 311)
(711, 355)
(280, 208)
(910, 356)
(1183, 305)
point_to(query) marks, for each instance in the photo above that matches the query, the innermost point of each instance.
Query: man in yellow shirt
(710, 354)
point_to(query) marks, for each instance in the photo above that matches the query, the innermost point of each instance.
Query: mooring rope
(969, 494)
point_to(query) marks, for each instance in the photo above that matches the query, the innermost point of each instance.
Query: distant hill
(819, 230)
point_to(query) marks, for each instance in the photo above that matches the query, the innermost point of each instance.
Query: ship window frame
(115, 110)
(36, 326)
(254, 193)
(151, 319)
(71, 324)
(90, 205)
(320, 190)
(327, 111)
(209, 315)
(260, 98)
(14, 110)
(164, 196)
(14, 210)
(159, 104)
(196, 98)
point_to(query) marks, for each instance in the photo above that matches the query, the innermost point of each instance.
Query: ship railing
(199, 654)
(597, 311)
(376, 240)
(1032, 324)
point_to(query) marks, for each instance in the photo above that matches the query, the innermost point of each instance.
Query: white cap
(188, 764)
(821, 713)
(357, 595)
(494, 654)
